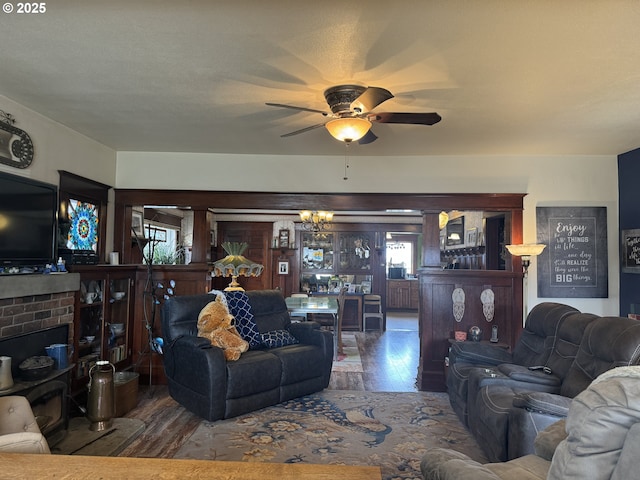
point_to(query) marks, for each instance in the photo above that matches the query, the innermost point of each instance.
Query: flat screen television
(28, 214)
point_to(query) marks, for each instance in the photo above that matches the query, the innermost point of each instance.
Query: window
(400, 254)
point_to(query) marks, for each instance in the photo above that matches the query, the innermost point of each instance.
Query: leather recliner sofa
(532, 349)
(600, 440)
(508, 404)
(201, 380)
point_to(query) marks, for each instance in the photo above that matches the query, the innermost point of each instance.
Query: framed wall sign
(137, 223)
(283, 239)
(574, 264)
(630, 250)
(472, 237)
(283, 268)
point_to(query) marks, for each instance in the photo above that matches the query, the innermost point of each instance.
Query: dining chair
(372, 308)
(341, 300)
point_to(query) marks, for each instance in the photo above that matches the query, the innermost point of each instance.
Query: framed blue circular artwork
(83, 233)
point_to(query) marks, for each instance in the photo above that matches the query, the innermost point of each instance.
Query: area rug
(349, 360)
(391, 430)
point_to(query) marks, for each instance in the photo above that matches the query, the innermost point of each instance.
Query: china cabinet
(333, 260)
(103, 318)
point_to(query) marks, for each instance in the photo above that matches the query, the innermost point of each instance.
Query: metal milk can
(6, 380)
(101, 405)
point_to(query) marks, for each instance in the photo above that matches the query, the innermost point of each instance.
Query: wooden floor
(389, 360)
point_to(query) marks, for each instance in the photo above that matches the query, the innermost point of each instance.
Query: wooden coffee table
(18, 465)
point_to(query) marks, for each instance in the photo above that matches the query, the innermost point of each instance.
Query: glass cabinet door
(117, 321)
(317, 252)
(105, 309)
(91, 320)
(355, 252)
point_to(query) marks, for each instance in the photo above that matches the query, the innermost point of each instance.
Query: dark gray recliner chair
(201, 380)
(533, 348)
(491, 393)
(609, 342)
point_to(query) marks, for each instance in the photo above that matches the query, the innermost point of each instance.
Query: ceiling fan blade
(370, 99)
(368, 138)
(409, 118)
(303, 130)
(282, 105)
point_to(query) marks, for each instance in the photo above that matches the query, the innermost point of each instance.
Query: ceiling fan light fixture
(348, 129)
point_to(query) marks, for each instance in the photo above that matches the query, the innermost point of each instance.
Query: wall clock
(16, 148)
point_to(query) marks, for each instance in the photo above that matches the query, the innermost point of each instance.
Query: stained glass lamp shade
(235, 264)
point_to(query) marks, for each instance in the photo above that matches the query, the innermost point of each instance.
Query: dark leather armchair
(533, 348)
(608, 342)
(491, 395)
(201, 380)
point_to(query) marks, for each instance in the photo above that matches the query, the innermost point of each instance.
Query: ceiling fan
(351, 113)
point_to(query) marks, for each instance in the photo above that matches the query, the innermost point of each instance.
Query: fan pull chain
(346, 161)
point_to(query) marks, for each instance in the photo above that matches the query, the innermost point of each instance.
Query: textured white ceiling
(507, 76)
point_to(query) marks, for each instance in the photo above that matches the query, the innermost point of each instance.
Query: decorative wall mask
(16, 148)
(488, 308)
(458, 303)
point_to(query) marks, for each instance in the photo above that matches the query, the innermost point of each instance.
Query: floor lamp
(525, 252)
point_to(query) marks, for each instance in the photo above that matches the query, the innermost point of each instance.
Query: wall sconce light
(316, 221)
(235, 264)
(525, 252)
(348, 129)
(443, 219)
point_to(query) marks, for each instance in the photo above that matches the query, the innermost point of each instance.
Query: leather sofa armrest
(543, 403)
(478, 354)
(309, 333)
(193, 361)
(524, 374)
(548, 439)
(445, 464)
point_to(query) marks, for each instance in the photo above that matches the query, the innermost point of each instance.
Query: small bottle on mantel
(60, 265)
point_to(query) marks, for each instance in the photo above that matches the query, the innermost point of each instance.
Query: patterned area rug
(350, 360)
(391, 430)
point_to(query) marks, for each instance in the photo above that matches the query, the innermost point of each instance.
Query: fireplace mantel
(17, 286)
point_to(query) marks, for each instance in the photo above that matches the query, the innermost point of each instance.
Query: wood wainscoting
(437, 323)
(188, 280)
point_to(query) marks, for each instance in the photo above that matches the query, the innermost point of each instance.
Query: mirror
(455, 231)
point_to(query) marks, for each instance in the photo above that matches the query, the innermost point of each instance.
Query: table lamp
(235, 264)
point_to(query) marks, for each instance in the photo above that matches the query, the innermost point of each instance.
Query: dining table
(327, 305)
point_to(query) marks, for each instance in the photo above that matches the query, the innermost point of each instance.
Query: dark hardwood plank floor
(389, 360)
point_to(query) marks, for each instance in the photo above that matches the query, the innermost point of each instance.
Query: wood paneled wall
(189, 280)
(437, 322)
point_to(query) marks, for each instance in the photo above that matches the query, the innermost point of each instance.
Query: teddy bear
(215, 324)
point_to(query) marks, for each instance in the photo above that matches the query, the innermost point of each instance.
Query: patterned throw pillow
(239, 307)
(278, 338)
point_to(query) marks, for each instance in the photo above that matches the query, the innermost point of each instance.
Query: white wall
(547, 181)
(57, 147)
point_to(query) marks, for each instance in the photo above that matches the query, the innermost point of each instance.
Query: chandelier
(316, 221)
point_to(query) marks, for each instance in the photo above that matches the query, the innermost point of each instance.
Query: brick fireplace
(36, 311)
(33, 302)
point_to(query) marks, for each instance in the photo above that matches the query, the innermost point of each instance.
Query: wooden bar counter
(29, 466)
